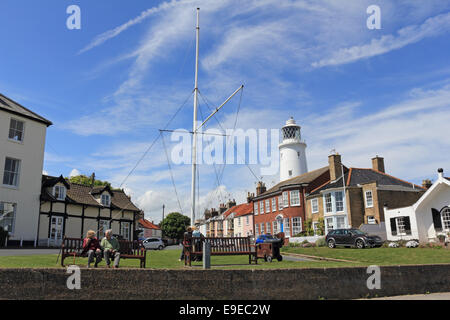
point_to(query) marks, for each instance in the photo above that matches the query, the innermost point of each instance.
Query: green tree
(87, 181)
(174, 225)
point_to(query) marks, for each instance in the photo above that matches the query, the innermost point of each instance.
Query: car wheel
(160, 247)
(269, 259)
(331, 244)
(360, 244)
(280, 258)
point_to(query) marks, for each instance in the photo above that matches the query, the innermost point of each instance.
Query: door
(56, 231)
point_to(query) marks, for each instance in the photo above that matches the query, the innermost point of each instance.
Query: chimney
(427, 183)
(249, 197)
(260, 188)
(231, 203)
(335, 166)
(92, 179)
(222, 209)
(441, 173)
(378, 164)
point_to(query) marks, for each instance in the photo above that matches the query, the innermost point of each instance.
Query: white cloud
(408, 35)
(74, 173)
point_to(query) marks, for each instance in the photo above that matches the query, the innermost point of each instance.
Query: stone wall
(328, 283)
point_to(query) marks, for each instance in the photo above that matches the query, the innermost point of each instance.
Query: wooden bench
(224, 246)
(73, 247)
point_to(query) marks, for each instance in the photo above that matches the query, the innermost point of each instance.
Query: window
(316, 228)
(296, 225)
(103, 226)
(400, 226)
(257, 229)
(106, 200)
(280, 203)
(255, 208)
(268, 206)
(11, 173)
(247, 220)
(290, 173)
(369, 199)
(16, 130)
(275, 227)
(262, 228)
(274, 204)
(239, 221)
(446, 218)
(295, 198)
(287, 227)
(339, 201)
(261, 207)
(340, 222)
(59, 192)
(328, 203)
(268, 227)
(314, 205)
(330, 225)
(7, 216)
(125, 230)
(285, 199)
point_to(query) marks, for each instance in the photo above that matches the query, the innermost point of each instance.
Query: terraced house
(357, 197)
(70, 209)
(22, 142)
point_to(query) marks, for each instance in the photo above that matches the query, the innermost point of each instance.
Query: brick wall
(186, 284)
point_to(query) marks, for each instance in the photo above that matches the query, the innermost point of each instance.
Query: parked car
(352, 238)
(153, 243)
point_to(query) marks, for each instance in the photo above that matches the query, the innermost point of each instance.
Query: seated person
(91, 245)
(110, 246)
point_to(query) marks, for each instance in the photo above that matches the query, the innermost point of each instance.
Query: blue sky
(110, 86)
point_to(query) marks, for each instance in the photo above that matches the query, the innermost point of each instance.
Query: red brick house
(282, 207)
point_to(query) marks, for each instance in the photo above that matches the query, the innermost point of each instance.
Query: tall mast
(194, 130)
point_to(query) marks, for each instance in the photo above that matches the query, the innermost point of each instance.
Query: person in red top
(91, 245)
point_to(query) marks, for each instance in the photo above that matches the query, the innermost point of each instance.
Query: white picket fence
(311, 239)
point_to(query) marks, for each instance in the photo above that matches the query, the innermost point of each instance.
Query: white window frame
(296, 225)
(105, 203)
(61, 192)
(268, 228)
(343, 225)
(261, 207)
(263, 228)
(314, 205)
(16, 130)
(267, 205)
(285, 199)
(287, 227)
(125, 226)
(16, 177)
(445, 219)
(294, 196)
(341, 201)
(327, 196)
(103, 226)
(368, 205)
(400, 223)
(275, 227)
(247, 220)
(255, 208)
(280, 203)
(257, 230)
(274, 204)
(12, 219)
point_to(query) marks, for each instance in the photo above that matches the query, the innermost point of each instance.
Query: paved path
(431, 296)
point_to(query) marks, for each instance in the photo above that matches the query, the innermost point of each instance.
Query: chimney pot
(427, 183)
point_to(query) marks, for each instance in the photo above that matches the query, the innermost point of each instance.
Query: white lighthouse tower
(292, 151)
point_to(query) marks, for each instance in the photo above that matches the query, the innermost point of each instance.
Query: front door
(56, 231)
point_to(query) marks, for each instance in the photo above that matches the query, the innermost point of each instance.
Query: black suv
(352, 238)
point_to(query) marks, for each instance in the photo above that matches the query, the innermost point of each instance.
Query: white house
(424, 220)
(22, 142)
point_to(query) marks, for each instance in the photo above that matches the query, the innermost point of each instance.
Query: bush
(321, 242)
(305, 241)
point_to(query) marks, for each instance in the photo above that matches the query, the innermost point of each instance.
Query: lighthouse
(292, 151)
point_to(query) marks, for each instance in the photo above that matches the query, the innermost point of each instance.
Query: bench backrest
(220, 245)
(75, 245)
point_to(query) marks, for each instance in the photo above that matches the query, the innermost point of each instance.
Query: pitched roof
(11, 106)
(81, 194)
(148, 225)
(356, 176)
(240, 210)
(305, 178)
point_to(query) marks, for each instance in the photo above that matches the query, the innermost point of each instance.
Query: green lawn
(379, 256)
(168, 259)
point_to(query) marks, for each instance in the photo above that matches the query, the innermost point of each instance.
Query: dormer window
(59, 192)
(106, 200)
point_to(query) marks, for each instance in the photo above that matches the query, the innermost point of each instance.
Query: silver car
(153, 243)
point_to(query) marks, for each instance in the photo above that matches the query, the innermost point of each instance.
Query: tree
(87, 181)
(174, 225)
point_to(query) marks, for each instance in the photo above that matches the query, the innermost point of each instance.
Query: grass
(378, 256)
(168, 259)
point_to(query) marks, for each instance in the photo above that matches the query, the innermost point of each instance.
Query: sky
(110, 86)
